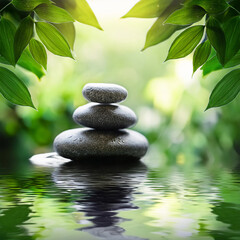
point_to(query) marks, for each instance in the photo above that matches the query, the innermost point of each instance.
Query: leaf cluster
(213, 41)
(28, 28)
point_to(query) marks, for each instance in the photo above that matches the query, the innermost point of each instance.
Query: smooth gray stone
(86, 143)
(104, 116)
(104, 92)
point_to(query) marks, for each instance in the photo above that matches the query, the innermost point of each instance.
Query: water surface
(115, 201)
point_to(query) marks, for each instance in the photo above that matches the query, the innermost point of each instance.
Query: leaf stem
(5, 6)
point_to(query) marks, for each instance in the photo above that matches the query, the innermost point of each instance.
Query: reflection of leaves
(14, 216)
(227, 213)
(10, 220)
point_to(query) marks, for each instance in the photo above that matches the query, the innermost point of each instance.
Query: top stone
(104, 92)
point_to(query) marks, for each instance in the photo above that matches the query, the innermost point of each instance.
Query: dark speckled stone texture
(102, 138)
(85, 143)
(104, 116)
(104, 92)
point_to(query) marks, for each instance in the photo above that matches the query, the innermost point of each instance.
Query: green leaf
(53, 14)
(28, 5)
(213, 64)
(185, 43)
(68, 31)
(233, 62)
(13, 89)
(27, 62)
(159, 33)
(38, 52)
(7, 33)
(235, 4)
(148, 8)
(53, 39)
(210, 6)
(226, 15)
(23, 35)
(3, 60)
(216, 37)
(186, 15)
(201, 55)
(226, 90)
(80, 10)
(232, 34)
(4, 4)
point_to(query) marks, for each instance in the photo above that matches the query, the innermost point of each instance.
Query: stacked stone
(104, 134)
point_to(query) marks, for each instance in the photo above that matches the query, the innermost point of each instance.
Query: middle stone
(104, 116)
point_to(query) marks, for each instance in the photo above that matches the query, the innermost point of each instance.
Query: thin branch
(5, 6)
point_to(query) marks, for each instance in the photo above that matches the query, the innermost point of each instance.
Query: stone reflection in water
(104, 190)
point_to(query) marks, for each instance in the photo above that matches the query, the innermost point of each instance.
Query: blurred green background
(167, 99)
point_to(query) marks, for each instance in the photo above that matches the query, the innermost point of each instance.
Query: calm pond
(119, 201)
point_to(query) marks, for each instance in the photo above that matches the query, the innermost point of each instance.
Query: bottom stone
(87, 143)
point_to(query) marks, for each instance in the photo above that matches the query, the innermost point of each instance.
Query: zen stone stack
(104, 134)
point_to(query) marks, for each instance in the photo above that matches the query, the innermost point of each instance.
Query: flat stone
(104, 92)
(85, 143)
(104, 116)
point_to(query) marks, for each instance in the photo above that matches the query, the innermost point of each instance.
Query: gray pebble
(84, 143)
(104, 92)
(104, 116)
